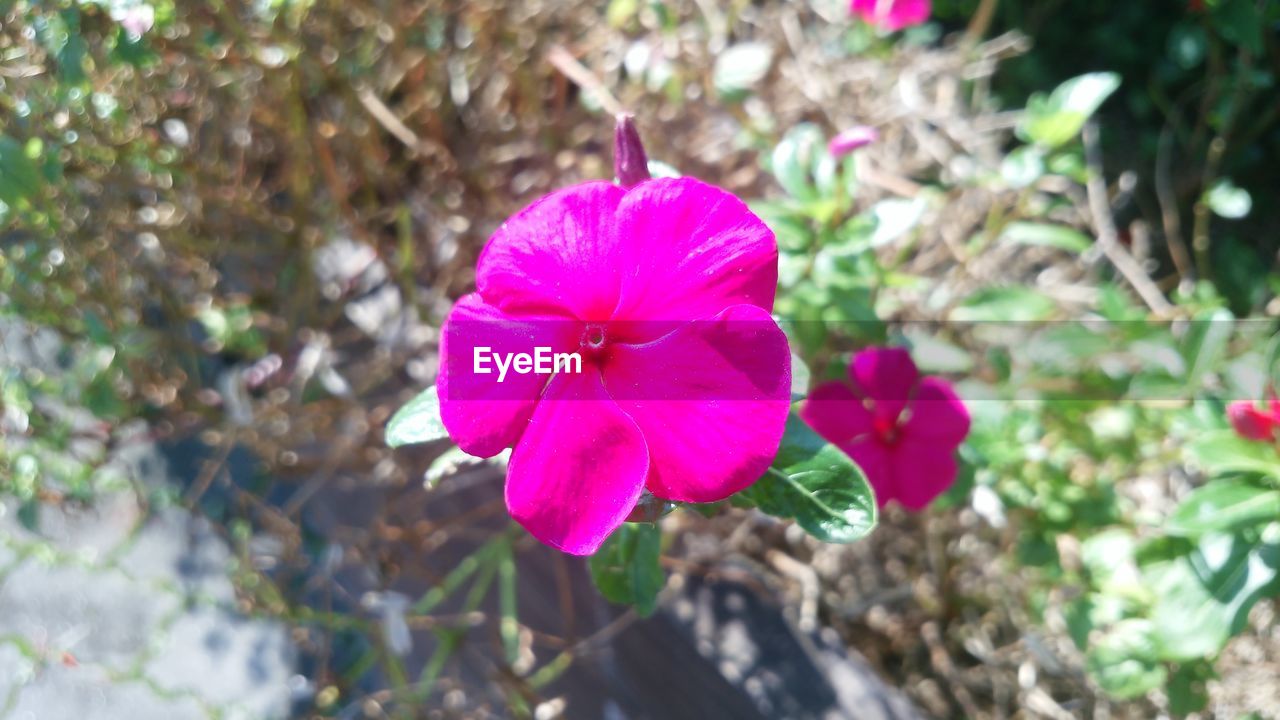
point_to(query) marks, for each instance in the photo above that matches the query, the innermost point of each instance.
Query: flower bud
(630, 163)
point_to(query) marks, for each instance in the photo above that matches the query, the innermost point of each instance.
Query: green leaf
(1239, 22)
(1108, 555)
(1046, 235)
(1123, 660)
(998, 304)
(1206, 344)
(19, 178)
(1203, 598)
(894, 218)
(626, 568)
(740, 67)
(1023, 166)
(799, 378)
(1223, 451)
(1052, 121)
(1188, 687)
(794, 158)
(814, 482)
(1228, 201)
(455, 460)
(418, 421)
(1224, 505)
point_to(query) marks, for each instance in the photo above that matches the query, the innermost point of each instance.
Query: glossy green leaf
(1203, 598)
(1224, 505)
(418, 421)
(815, 483)
(626, 568)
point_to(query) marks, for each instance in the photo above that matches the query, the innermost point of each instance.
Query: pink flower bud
(1252, 422)
(630, 163)
(852, 139)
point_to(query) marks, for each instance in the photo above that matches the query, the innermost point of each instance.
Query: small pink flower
(902, 429)
(1252, 422)
(891, 14)
(851, 139)
(664, 289)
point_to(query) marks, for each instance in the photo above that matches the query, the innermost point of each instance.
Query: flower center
(886, 429)
(593, 339)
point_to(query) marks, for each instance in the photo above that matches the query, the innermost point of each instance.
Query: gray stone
(18, 671)
(98, 616)
(87, 693)
(181, 550)
(230, 661)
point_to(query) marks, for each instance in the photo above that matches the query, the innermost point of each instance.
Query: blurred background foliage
(242, 221)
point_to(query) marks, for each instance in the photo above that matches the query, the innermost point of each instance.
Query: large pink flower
(902, 429)
(664, 290)
(891, 14)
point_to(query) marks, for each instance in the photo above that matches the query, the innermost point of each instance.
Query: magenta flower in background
(901, 428)
(665, 291)
(1252, 422)
(851, 139)
(891, 14)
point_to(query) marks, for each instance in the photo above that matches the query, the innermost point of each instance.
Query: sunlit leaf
(1002, 304)
(740, 67)
(815, 483)
(418, 421)
(1046, 235)
(1228, 201)
(1203, 598)
(1224, 505)
(1224, 451)
(1054, 120)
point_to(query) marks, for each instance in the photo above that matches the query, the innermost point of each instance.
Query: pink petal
(891, 14)
(921, 472)
(558, 254)
(579, 468)
(711, 399)
(886, 375)
(1250, 421)
(691, 250)
(482, 415)
(875, 459)
(937, 414)
(836, 413)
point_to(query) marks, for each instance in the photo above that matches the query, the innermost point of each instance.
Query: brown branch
(1104, 225)
(568, 65)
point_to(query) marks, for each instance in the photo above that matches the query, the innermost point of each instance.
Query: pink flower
(851, 139)
(1252, 422)
(664, 290)
(902, 429)
(891, 14)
